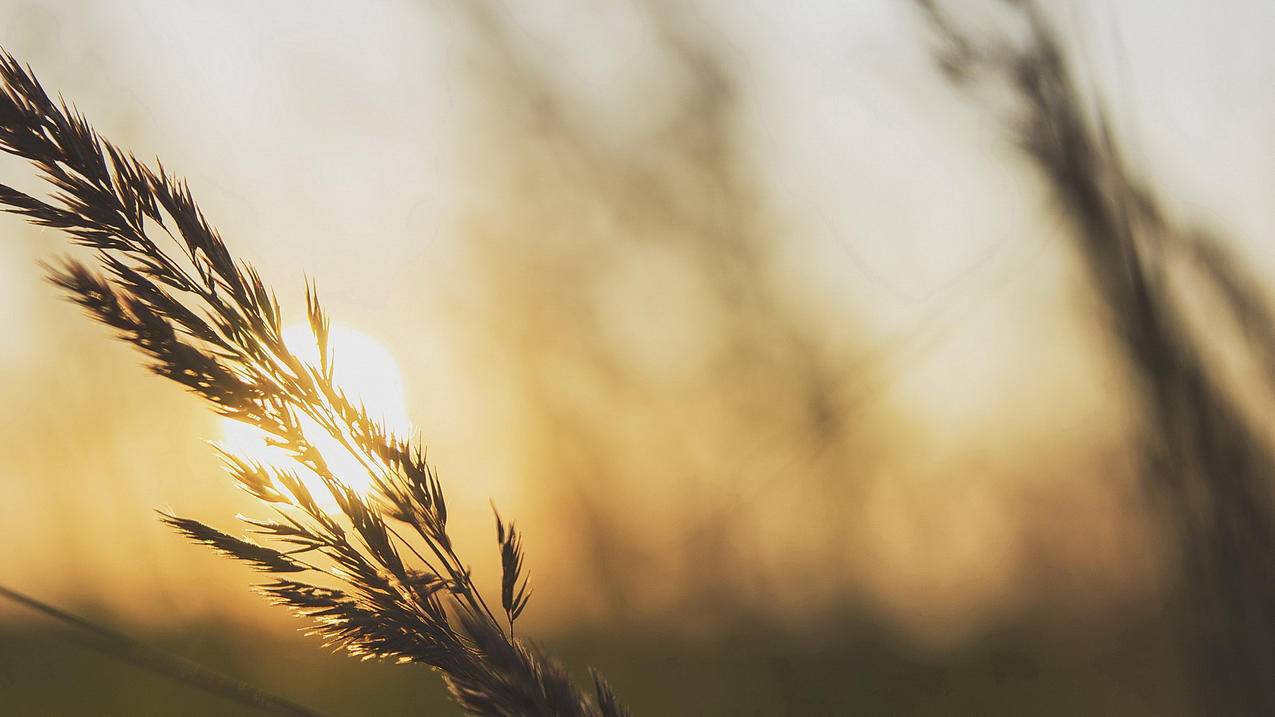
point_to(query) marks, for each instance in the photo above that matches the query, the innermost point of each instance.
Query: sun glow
(367, 372)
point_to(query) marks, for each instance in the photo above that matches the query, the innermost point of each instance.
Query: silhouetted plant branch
(1206, 465)
(209, 322)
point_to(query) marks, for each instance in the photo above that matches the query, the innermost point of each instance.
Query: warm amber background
(765, 336)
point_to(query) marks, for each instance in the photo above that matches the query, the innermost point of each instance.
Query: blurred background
(774, 343)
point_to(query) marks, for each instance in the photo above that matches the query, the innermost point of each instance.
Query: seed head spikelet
(164, 280)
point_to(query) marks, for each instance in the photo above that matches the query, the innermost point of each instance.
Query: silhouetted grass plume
(1206, 465)
(381, 576)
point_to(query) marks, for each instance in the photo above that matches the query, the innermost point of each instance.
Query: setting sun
(367, 372)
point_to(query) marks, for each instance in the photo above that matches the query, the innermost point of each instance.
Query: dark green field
(845, 670)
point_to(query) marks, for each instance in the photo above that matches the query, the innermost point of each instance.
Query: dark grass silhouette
(1206, 466)
(387, 580)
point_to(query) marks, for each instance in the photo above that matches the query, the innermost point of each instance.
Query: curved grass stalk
(121, 647)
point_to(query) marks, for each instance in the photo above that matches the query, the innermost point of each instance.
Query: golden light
(367, 372)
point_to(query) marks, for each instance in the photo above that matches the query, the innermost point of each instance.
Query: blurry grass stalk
(1206, 466)
(660, 264)
(385, 579)
(121, 647)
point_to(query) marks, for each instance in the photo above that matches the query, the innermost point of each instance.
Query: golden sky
(392, 152)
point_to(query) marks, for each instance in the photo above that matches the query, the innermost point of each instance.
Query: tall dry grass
(379, 576)
(1206, 465)
(648, 264)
